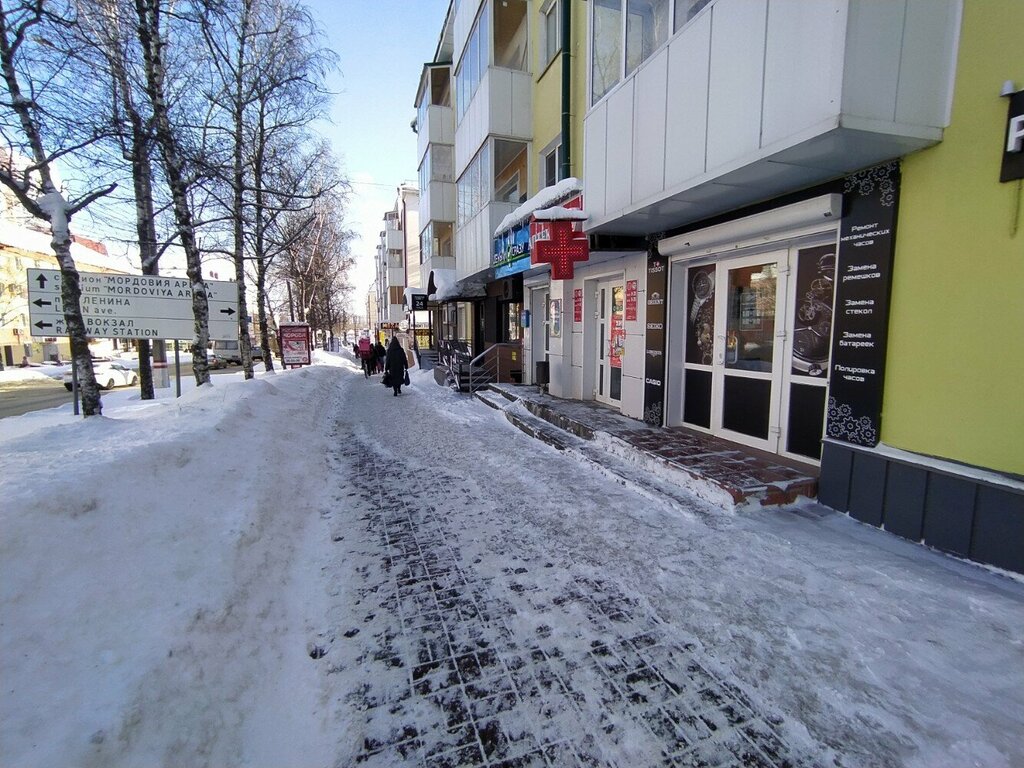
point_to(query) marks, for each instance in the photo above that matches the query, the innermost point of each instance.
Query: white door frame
(604, 292)
(720, 369)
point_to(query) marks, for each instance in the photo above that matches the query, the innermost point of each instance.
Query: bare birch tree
(37, 77)
(152, 33)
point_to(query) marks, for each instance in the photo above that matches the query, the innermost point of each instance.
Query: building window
(687, 9)
(473, 188)
(475, 60)
(646, 30)
(553, 166)
(606, 47)
(551, 31)
(510, 159)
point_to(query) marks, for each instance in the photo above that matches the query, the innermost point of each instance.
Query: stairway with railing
(465, 373)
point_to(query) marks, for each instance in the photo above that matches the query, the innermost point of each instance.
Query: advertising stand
(296, 344)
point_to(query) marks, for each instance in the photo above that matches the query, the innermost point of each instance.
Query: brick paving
(528, 666)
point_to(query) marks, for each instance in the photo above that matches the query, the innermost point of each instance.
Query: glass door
(748, 349)
(611, 340)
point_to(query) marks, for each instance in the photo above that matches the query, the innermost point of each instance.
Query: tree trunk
(70, 296)
(153, 54)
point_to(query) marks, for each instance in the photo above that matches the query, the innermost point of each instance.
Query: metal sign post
(177, 371)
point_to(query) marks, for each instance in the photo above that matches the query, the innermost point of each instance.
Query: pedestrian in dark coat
(395, 364)
(381, 353)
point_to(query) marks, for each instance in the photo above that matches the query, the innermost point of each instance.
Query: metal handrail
(474, 365)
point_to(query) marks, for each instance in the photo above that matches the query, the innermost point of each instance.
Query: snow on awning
(543, 199)
(410, 292)
(560, 213)
(444, 286)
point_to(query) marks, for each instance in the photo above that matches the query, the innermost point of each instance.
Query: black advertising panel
(654, 347)
(419, 302)
(1013, 145)
(863, 279)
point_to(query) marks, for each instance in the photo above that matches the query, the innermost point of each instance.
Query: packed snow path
(307, 571)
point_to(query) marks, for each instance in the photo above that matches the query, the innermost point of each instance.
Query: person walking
(395, 365)
(378, 348)
(366, 356)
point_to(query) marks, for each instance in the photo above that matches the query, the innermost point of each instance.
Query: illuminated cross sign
(557, 243)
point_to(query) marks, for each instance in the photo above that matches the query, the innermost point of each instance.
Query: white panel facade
(522, 105)
(871, 75)
(803, 74)
(499, 105)
(687, 102)
(439, 128)
(929, 53)
(737, 74)
(618, 194)
(649, 127)
(595, 159)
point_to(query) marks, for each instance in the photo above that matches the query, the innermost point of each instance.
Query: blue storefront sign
(512, 251)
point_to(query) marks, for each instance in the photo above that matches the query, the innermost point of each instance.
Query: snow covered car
(109, 374)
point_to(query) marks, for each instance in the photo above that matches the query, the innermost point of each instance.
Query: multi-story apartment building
(398, 258)
(502, 134)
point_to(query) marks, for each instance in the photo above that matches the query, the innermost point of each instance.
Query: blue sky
(382, 46)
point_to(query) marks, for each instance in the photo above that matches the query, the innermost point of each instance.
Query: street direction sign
(131, 306)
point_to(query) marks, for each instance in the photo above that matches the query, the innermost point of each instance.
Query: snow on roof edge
(543, 199)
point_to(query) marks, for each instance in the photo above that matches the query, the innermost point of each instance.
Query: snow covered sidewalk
(305, 571)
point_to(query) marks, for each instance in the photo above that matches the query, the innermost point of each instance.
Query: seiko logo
(655, 382)
(655, 326)
(654, 353)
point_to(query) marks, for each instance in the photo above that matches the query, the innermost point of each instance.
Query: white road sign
(131, 306)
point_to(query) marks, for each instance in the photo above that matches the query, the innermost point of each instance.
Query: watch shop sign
(1013, 146)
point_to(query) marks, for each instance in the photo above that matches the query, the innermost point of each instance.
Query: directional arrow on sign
(42, 281)
(41, 303)
(42, 325)
(227, 311)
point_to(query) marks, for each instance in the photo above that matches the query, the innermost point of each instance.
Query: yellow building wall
(954, 384)
(547, 93)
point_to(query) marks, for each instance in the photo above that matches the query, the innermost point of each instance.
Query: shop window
(646, 30)
(510, 317)
(606, 47)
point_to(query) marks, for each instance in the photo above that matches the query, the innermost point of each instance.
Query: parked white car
(109, 374)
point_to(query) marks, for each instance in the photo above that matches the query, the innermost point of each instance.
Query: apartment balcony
(437, 202)
(396, 276)
(752, 99)
(474, 243)
(502, 106)
(436, 126)
(394, 239)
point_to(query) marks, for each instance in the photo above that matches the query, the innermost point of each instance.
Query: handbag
(406, 381)
(386, 379)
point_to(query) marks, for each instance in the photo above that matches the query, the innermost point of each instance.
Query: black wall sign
(863, 281)
(1013, 143)
(419, 302)
(654, 347)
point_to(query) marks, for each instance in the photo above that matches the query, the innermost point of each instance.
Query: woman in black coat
(395, 364)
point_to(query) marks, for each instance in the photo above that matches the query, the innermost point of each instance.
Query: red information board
(631, 294)
(577, 305)
(295, 343)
